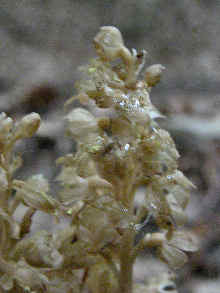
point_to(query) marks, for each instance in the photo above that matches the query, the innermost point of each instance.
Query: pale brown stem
(126, 262)
(6, 267)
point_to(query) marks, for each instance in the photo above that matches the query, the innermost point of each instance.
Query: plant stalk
(126, 262)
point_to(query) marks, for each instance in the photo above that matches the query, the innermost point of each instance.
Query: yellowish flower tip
(6, 123)
(153, 74)
(92, 70)
(29, 125)
(69, 211)
(108, 43)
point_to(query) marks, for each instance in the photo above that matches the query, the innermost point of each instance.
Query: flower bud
(80, 123)
(29, 278)
(153, 74)
(6, 124)
(35, 197)
(28, 125)
(11, 227)
(108, 43)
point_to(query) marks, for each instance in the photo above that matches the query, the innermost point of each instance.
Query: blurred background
(42, 43)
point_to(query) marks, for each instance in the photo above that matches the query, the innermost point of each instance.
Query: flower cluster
(120, 147)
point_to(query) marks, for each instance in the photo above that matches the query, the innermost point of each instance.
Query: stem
(5, 164)
(127, 241)
(126, 262)
(6, 267)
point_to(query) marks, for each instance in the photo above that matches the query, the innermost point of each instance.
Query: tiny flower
(28, 125)
(81, 124)
(108, 42)
(11, 227)
(35, 197)
(29, 278)
(153, 74)
(109, 45)
(6, 124)
(39, 250)
(173, 251)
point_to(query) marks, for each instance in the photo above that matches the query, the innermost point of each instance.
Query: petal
(34, 197)
(184, 240)
(173, 256)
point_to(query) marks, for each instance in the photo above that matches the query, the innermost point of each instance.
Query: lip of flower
(36, 199)
(172, 251)
(109, 43)
(153, 74)
(28, 125)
